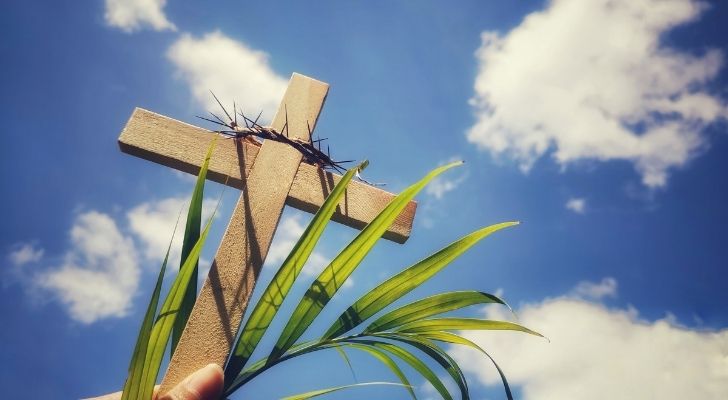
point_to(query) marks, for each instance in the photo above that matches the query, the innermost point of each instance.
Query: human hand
(205, 384)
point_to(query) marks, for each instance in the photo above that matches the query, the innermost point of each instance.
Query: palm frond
(411, 334)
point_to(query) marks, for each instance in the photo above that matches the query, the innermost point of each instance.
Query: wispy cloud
(229, 68)
(601, 353)
(437, 189)
(133, 15)
(576, 204)
(592, 80)
(595, 291)
(440, 186)
(25, 253)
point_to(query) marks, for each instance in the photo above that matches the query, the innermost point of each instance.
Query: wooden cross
(270, 176)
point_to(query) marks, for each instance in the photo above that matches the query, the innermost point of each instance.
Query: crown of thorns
(252, 131)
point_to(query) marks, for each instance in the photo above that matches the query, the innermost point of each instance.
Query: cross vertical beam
(216, 316)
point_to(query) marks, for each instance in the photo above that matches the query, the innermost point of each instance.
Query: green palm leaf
(192, 233)
(266, 363)
(316, 393)
(437, 354)
(267, 307)
(136, 365)
(346, 359)
(462, 324)
(433, 305)
(331, 279)
(407, 280)
(413, 361)
(386, 360)
(448, 337)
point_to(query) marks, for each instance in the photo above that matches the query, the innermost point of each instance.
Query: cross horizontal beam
(181, 146)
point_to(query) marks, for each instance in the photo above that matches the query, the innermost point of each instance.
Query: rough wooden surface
(181, 146)
(212, 327)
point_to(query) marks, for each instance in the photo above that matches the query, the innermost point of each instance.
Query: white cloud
(100, 271)
(289, 230)
(25, 253)
(576, 204)
(229, 68)
(133, 15)
(152, 223)
(601, 353)
(99, 274)
(590, 80)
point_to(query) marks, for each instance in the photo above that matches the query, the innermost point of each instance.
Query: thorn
(253, 124)
(209, 120)
(219, 119)
(285, 107)
(257, 118)
(221, 106)
(245, 119)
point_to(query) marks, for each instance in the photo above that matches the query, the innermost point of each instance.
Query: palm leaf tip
(463, 324)
(430, 306)
(321, 392)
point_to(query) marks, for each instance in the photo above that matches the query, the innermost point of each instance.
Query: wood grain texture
(182, 146)
(211, 330)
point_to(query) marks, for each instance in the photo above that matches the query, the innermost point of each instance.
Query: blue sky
(601, 125)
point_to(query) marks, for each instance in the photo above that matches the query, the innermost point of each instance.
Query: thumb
(204, 384)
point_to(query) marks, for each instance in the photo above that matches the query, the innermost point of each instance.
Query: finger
(205, 384)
